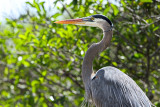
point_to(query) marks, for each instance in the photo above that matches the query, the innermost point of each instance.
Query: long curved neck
(91, 53)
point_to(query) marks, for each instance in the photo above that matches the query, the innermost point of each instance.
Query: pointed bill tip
(59, 22)
(56, 22)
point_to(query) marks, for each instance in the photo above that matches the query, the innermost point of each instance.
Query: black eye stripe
(103, 17)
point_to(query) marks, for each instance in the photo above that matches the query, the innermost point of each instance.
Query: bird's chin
(81, 23)
(92, 24)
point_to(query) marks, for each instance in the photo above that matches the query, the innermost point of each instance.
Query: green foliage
(40, 61)
(145, 0)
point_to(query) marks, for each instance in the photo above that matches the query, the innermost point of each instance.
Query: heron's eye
(92, 18)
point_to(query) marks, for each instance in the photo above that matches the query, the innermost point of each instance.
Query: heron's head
(94, 21)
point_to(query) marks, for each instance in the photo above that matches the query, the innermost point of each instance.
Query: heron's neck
(91, 53)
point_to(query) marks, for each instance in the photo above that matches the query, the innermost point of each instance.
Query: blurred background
(40, 61)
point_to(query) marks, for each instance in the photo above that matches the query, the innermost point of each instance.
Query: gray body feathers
(112, 88)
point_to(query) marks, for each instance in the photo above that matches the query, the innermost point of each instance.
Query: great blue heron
(108, 87)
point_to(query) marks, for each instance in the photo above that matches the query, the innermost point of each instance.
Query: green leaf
(146, 1)
(32, 5)
(123, 3)
(19, 26)
(138, 55)
(4, 93)
(107, 10)
(115, 9)
(22, 36)
(27, 64)
(45, 105)
(42, 4)
(156, 28)
(114, 63)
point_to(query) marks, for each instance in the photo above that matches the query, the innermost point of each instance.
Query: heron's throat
(92, 52)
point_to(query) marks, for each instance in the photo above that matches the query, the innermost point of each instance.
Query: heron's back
(113, 88)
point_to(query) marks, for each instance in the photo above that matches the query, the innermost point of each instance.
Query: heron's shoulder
(109, 70)
(112, 73)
